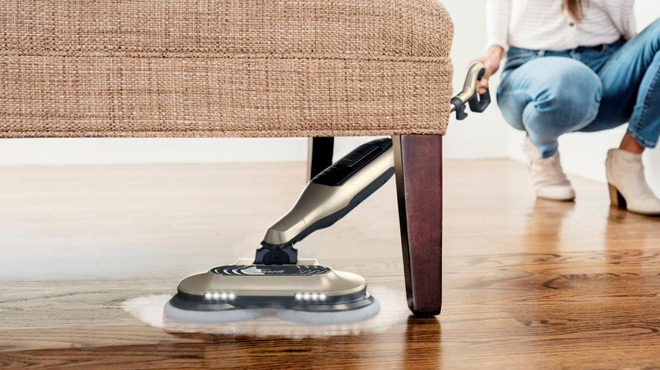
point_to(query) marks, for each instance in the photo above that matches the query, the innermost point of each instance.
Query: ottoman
(252, 68)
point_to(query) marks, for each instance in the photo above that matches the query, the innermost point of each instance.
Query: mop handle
(478, 102)
(327, 198)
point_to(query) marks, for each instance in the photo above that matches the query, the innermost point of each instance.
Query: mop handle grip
(477, 102)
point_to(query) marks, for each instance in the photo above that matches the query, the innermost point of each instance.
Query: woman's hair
(574, 8)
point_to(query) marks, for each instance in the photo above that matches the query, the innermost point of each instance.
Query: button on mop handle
(478, 103)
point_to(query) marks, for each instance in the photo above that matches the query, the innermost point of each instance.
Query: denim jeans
(550, 93)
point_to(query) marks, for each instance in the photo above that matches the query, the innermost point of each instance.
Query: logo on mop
(254, 270)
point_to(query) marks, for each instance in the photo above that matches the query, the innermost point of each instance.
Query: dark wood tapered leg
(319, 154)
(418, 165)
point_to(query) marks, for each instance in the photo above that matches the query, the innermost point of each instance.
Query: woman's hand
(491, 61)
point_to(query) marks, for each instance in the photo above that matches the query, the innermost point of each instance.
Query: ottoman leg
(418, 165)
(319, 154)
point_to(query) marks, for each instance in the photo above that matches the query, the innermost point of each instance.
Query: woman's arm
(628, 22)
(497, 26)
(498, 13)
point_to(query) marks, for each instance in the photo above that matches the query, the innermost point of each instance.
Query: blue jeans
(550, 93)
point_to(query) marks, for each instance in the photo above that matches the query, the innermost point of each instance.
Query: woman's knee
(570, 98)
(653, 30)
(648, 40)
(511, 105)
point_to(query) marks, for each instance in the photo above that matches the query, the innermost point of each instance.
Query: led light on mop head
(305, 292)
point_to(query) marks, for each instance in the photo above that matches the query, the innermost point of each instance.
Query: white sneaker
(628, 187)
(548, 178)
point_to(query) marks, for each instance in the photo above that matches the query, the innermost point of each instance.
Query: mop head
(210, 317)
(246, 314)
(309, 294)
(325, 318)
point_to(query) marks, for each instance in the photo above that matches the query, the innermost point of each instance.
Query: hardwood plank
(527, 284)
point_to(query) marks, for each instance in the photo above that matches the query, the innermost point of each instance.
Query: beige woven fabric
(203, 68)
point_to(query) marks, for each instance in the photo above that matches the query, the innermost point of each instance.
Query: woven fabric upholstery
(203, 68)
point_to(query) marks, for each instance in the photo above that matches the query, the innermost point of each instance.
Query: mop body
(305, 292)
(276, 281)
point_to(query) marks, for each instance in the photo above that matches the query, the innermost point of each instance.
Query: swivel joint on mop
(270, 254)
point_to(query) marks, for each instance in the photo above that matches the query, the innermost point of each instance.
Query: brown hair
(574, 8)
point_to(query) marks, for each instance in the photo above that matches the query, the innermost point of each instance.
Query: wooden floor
(528, 284)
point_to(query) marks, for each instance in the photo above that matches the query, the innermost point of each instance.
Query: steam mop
(302, 290)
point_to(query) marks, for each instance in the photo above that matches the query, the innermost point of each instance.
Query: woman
(577, 65)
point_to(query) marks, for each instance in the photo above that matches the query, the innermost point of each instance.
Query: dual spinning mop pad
(306, 292)
(301, 290)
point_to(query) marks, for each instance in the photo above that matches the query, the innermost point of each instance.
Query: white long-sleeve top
(545, 25)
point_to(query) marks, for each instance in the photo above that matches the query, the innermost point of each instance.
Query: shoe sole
(556, 199)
